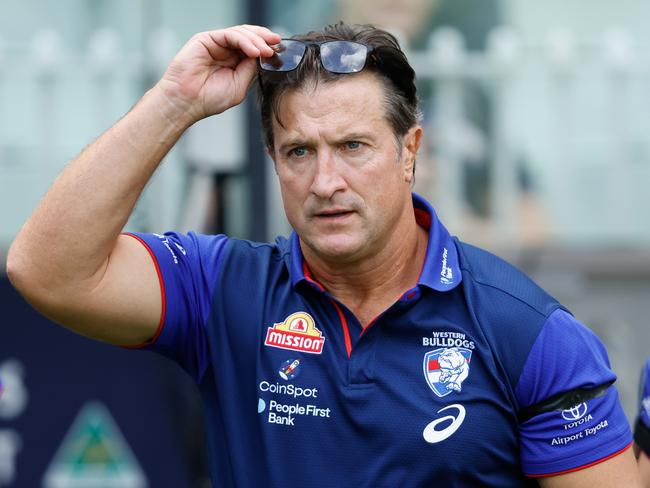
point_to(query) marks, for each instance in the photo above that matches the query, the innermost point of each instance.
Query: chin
(336, 249)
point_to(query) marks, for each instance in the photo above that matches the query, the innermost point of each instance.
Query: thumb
(244, 74)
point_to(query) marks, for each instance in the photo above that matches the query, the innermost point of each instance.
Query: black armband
(562, 401)
(642, 436)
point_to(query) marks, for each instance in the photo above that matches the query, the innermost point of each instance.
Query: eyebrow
(354, 136)
(291, 143)
(300, 141)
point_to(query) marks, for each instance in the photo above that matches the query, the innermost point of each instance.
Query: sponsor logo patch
(289, 369)
(446, 273)
(452, 422)
(576, 416)
(165, 241)
(298, 332)
(575, 413)
(579, 425)
(446, 368)
(286, 403)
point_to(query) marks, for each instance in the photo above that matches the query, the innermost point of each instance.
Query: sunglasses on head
(335, 56)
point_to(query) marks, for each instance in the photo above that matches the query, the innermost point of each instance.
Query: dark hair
(386, 60)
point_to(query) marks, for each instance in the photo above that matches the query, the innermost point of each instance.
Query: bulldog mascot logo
(445, 369)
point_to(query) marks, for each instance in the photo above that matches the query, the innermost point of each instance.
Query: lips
(333, 214)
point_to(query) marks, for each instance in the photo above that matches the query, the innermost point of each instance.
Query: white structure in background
(575, 110)
(572, 110)
(69, 100)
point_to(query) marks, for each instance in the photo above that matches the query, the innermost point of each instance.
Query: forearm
(68, 260)
(70, 235)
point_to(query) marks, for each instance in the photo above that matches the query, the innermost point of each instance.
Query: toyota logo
(575, 413)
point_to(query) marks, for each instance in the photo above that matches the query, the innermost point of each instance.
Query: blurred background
(537, 121)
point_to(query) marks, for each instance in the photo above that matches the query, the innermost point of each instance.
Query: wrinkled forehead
(350, 99)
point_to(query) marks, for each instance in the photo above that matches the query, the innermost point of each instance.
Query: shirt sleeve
(187, 267)
(567, 356)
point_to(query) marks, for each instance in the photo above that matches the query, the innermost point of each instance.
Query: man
(642, 426)
(369, 349)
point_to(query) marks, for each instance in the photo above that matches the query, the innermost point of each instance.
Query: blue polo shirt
(297, 393)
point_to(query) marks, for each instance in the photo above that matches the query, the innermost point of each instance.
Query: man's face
(344, 186)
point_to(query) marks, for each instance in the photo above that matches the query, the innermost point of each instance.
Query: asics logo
(433, 435)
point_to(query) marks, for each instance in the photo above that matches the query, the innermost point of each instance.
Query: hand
(213, 71)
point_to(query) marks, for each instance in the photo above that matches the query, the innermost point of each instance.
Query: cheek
(384, 188)
(292, 197)
(383, 184)
(291, 181)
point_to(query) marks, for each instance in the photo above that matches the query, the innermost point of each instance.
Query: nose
(328, 178)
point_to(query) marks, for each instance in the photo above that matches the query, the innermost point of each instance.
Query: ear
(410, 149)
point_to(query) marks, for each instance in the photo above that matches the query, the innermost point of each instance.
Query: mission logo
(298, 332)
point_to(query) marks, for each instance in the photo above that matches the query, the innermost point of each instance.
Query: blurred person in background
(370, 348)
(642, 426)
(415, 21)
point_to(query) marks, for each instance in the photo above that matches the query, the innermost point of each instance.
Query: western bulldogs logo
(445, 369)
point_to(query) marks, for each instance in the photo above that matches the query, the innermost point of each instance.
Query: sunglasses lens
(287, 57)
(343, 56)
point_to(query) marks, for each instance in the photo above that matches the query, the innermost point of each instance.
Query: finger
(242, 78)
(258, 40)
(267, 34)
(271, 38)
(234, 39)
(245, 72)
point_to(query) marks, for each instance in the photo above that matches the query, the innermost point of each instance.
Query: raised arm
(69, 259)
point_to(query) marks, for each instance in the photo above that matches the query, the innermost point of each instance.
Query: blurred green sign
(94, 454)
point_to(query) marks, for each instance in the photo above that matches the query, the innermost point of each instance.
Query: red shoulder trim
(162, 295)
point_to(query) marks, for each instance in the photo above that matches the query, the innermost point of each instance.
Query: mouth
(333, 215)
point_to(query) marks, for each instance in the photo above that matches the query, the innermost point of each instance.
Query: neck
(371, 284)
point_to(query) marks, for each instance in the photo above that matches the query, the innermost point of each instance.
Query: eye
(352, 145)
(298, 152)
